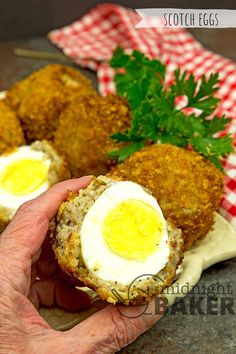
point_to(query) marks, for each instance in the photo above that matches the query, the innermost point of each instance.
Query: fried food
(11, 133)
(113, 237)
(40, 98)
(84, 130)
(187, 187)
(26, 172)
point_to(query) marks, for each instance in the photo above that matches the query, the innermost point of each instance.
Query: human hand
(22, 329)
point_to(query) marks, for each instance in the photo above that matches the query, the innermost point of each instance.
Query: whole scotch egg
(112, 234)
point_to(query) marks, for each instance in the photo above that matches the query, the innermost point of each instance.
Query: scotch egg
(25, 173)
(113, 235)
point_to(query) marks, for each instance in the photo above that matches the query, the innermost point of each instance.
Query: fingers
(22, 239)
(69, 278)
(57, 292)
(68, 298)
(114, 327)
(47, 264)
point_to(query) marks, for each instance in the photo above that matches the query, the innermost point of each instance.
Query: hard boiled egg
(124, 234)
(25, 173)
(23, 176)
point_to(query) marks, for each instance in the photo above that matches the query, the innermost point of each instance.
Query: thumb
(29, 226)
(20, 243)
(114, 327)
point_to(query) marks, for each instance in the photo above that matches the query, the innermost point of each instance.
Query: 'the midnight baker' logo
(203, 299)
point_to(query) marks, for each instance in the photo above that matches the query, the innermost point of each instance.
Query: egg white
(97, 256)
(13, 202)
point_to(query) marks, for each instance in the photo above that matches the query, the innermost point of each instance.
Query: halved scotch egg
(114, 238)
(25, 173)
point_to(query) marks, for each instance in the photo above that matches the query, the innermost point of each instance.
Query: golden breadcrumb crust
(187, 187)
(67, 248)
(40, 98)
(58, 170)
(11, 133)
(84, 130)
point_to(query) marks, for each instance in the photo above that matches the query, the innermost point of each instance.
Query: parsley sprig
(155, 116)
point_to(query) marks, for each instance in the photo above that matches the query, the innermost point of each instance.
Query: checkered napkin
(91, 40)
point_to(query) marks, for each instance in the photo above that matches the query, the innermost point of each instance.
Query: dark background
(25, 23)
(23, 18)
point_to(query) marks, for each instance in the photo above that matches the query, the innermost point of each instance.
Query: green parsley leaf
(171, 139)
(213, 146)
(126, 151)
(216, 161)
(215, 125)
(155, 117)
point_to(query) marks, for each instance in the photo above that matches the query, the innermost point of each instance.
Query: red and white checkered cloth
(90, 42)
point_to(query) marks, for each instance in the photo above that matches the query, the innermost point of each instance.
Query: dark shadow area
(24, 18)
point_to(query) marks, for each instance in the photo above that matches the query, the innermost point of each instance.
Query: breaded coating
(58, 170)
(84, 131)
(187, 187)
(11, 133)
(40, 98)
(67, 248)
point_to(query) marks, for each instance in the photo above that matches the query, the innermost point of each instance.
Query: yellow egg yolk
(22, 177)
(133, 229)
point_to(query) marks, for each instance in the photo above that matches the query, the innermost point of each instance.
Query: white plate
(219, 245)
